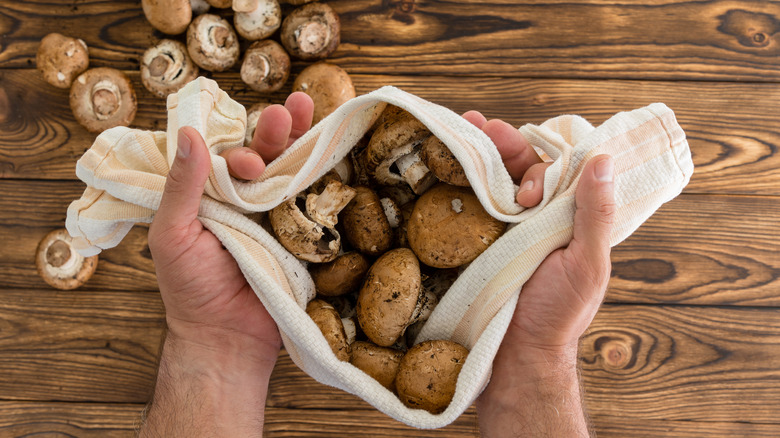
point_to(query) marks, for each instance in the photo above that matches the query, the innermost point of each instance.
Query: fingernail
(605, 170)
(527, 186)
(184, 145)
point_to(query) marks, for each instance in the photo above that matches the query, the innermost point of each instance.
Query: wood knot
(617, 351)
(540, 99)
(752, 29)
(644, 270)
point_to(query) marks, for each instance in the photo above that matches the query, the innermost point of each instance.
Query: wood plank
(732, 128)
(79, 346)
(658, 39)
(622, 426)
(86, 420)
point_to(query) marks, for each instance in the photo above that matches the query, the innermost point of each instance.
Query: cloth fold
(125, 173)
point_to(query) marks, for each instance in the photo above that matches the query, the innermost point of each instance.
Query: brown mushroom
(166, 68)
(366, 227)
(442, 162)
(391, 297)
(449, 227)
(328, 85)
(257, 19)
(266, 66)
(381, 363)
(252, 116)
(220, 3)
(212, 43)
(329, 322)
(168, 16)
(428, 374)
(60, 59)
(60, 265)
(340, 276)
(102, 98)
(311, 32)
(392, 155)
(199, 7)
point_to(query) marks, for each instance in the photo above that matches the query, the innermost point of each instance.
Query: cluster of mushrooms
(385, 234)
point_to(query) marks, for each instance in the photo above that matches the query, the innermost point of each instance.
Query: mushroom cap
(397, 135)
(102, 98)
(266, 66)
(442, 162)
(328, 85)
(212, 43)
(449, 227)
(252, 116)
(168, 16)
(220, 3)
(366, 227)
(389, 297)
(381, 363)
(259, 22)
(166, 67)
(340, 276)
(311, 32)
(428, 373)
(304, 238)
(60, 59)
(329, 322)
(199, 6)
(60, 265)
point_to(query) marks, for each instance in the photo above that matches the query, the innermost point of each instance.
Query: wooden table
(688, 341)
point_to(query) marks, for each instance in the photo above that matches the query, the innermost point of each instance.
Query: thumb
(595, 200)
(185, 182)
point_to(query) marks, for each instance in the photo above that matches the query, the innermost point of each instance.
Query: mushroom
(381, 363)
(392, 156)
(60, 265)
(199, 6)
(392, 298)
(102, 98)
(469, 228)
(298, 2)
(341, 276)
(166, 67)
(168, 16)
(305, 225)
(328, 85)
(311, 32)
(366, 227)
(60, 59)
(220, 3)
(329, 322)
(428, 374)
(212, 43)
(256, 19)
(442, 162)
(266, 66)
(252, 116)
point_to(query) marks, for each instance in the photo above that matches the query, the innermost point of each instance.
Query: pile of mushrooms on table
(370, 231)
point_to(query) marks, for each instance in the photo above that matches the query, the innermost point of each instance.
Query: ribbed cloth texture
(125, 173)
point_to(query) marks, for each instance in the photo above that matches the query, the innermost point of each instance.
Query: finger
(301, 108)
(186, 180)
(475, 118)
(272, 133)
(244, 163)
(595, 200)
(532, 186)
(515, 151)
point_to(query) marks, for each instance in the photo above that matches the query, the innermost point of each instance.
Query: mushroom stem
(106, 99)
(312, 36)
(415, 172)
(60, 255)
(350, 329)
(325, 207)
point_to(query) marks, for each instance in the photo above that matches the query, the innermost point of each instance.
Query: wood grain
(85, 420)
(651, 39)
(732, 128)
(79, 346)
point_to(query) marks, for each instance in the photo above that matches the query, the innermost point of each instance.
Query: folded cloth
(125, 173)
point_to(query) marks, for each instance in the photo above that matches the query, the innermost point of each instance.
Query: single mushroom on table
(381, 363)
(442, 162)
(428, 374)
(256, 19)
(366, 227)
(60, 59)
(328, 85)
(168, 16)
(331, 326)
(449, 227)
(392, 297)
(212, 43)
(166, 67)
(60, 265)
(311, 32)
(102, 98)
(392, 156)
(266, 66)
